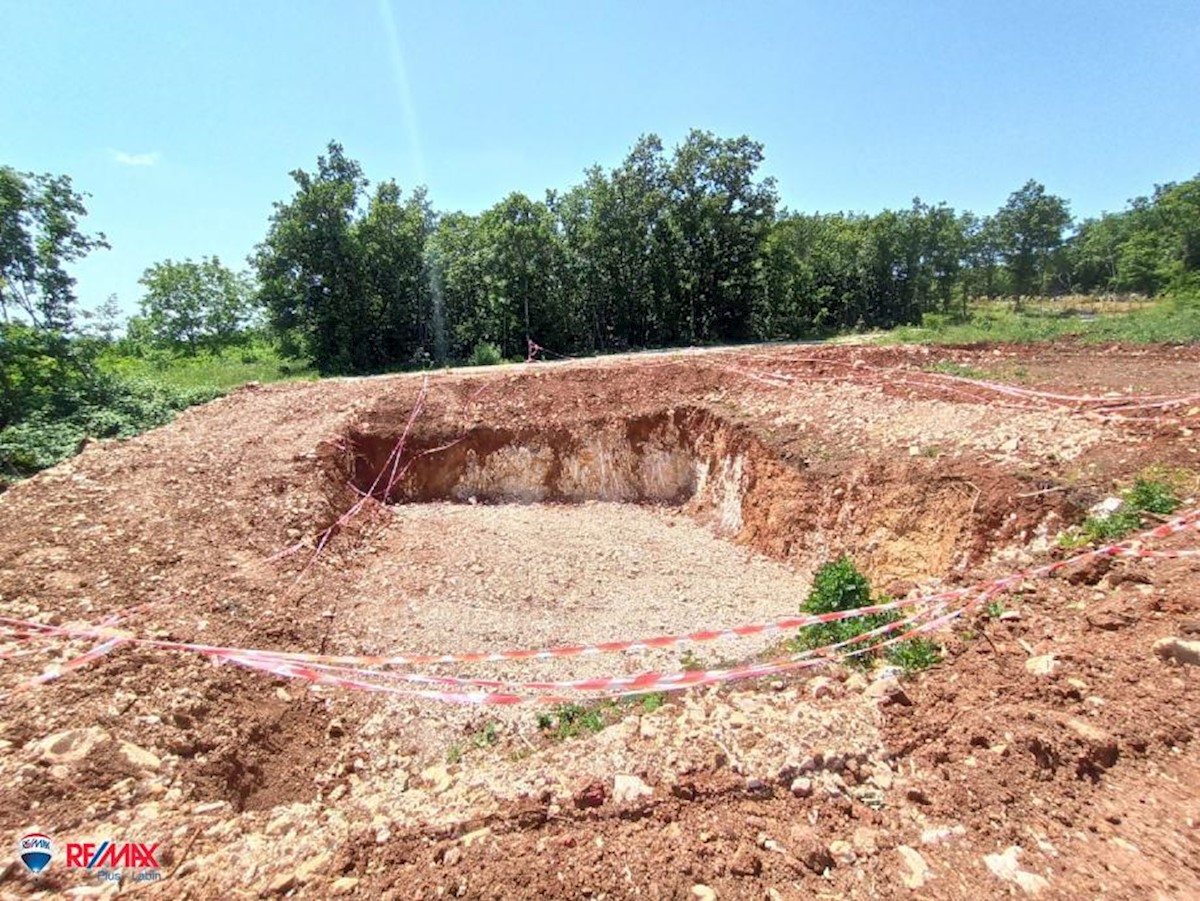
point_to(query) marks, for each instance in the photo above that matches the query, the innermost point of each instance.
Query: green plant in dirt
(652, 702)
(1147, 495)
(994, 609)
(914, 654)
(948, 367)
(572, 720)
(454, 753)
(487, 736)
(690, 661)
(839, 586)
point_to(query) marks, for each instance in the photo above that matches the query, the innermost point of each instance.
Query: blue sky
(183, 118)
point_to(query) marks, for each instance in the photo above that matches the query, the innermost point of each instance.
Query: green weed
(1146, 495)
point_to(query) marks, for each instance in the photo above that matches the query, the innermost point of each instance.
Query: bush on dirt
(839, 586)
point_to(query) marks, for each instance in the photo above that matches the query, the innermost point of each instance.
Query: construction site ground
(1051, 753)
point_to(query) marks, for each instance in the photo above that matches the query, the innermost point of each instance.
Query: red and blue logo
(36, 850)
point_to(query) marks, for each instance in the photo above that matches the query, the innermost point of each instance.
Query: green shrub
(102, 406)
(485, 354)
(839, 586)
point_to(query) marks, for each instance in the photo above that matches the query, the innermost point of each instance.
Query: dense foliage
(669, 249)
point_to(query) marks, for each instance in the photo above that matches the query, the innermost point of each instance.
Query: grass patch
(222, 371)
(1147, 495)
(1172, 319)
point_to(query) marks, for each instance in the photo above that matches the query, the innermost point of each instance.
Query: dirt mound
(1051, 753)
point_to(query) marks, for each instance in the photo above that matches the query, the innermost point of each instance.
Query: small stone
(914, 871)
(881, 776)
(476, 835)
(888, 690)
(1043, 665)
(842, 853)
(802, 787)
(809, 849)
(1180, 650)
(140, 758)
(437, 777)
(936, 835)
(592, 795)
(702, 892)
(452, 857)
(1102, 749)
(822, 687)
(628, 788)
(312, 866)
(71, 746)
(343, 885)
(865, 841)
(1005, 866)
(281, 884)
(745, 863)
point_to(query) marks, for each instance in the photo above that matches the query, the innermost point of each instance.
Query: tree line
(665, 249)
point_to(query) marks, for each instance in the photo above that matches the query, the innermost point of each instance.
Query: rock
(437, 778)
(1180, 650)
(1102, 750)
(1089, 572)
(888, 690)
(628, 788)
(1110, 620)
(592, 795)
(865, 841)
(1005, 866)
(343, 885)
(936, 835)
(809, 849)
(71, 746)
(881, 776)
(453, 856)
(842, 853)
(1011, 445)
(703, 893)
(745, 862)
(476, 835)
(1043, 665)
(802, 787)
(914, 871)
(140, 758)
(822, 687)
(648, 727)
(312, 866)
(280, 885)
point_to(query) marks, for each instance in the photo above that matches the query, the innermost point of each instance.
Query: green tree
(192, 305)
(308, 270)
(1030, 228)
(39, 236)
(343, 279)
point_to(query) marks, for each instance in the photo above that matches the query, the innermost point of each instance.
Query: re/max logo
(111, 855)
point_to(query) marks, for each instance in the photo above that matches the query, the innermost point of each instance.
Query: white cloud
(134, 159)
